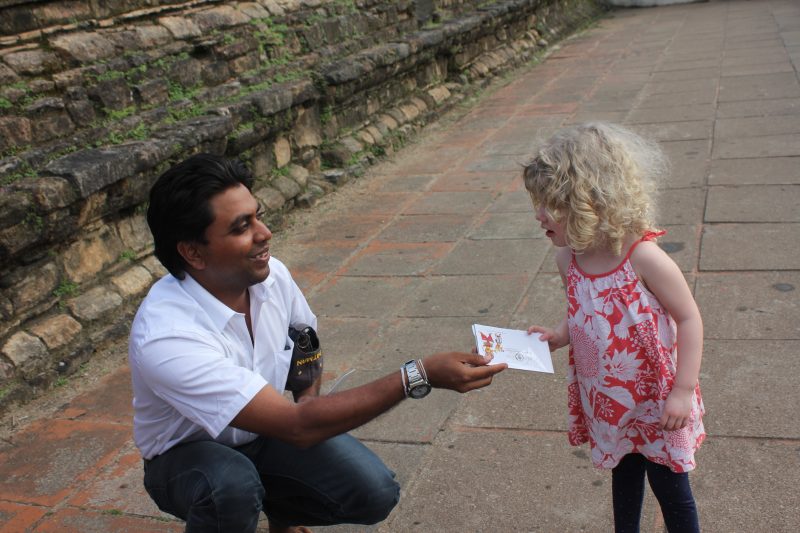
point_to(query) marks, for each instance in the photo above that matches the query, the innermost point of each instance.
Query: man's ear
(192, 254)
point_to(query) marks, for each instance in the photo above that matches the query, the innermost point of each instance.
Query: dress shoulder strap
(648, 236)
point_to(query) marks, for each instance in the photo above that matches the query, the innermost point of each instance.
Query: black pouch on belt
(306, 364)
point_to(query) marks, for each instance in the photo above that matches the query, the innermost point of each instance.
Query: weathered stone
(273, 7)
(374, 133)
(48, 193)
(153, 92)
(132, 282)
(152, 35)
(154, 266)
(31, 62)
(365, 137)
(307, 128)
(7, 75)
(95, 304)
(410, 111)
(272, 101)
(49, 119)
(299, 174)
(81, 112)
(352, 145)
(439, 94)
(271, 199)
(253, 10)
(14, 239)
(83, 47)
(36, 286)
(23, 349)
(91, 170)
(57, 331)
(14, 131)
(89, 256)
(181, 27)
(287, 187)
(135, 233)
(216, 73)
(217, 18)
(335, 176)
(388, 121)
(112, 94)
(196, 132)
(283, 152)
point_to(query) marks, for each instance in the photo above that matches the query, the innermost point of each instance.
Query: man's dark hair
(179, 207)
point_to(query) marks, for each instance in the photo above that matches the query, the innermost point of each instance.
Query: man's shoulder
(166, 304)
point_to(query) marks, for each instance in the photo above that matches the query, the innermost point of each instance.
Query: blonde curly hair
(599, 180)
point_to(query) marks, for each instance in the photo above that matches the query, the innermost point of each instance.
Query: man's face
(236, 254)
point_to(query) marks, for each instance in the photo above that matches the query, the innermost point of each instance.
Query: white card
(513, 347)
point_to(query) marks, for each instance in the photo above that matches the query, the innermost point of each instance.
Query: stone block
(88, 257)
(112, 94)
(83, 47)
(23, 349)
(152, 35)
(287, 187)
(35, 285)
(57, 331)
(135, 233)
(439, 94)
(132, 282)
(7, 75)
(283, 152)
(154, 266)
(218, 18)
(95, 304)
(31, 62)
(181, 27)
(299, 174)
(307, 129)
(81, 112)
(271, 199)
(153, 92)
(15, 131)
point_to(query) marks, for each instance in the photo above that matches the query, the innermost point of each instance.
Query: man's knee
(374, 496)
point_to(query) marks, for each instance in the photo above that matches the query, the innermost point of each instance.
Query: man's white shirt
(194, 365)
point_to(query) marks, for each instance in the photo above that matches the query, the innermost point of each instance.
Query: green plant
(65, 289)
(140, 132)
(119, 114)
(34, 220)
(60, 382)
(5, 103)
(129, 255)
(4, 392)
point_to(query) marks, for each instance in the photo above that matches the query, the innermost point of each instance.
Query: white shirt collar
(220, 313)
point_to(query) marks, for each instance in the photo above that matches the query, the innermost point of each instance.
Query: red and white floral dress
(622, 368)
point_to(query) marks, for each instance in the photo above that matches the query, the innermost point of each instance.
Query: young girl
(633, 327)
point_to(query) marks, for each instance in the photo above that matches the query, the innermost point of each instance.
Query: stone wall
(98, 98)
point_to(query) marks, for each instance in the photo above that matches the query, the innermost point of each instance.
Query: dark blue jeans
(672, 491)
(217, 488)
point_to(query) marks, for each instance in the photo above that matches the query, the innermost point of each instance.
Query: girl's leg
(627, 489)
(674, 494)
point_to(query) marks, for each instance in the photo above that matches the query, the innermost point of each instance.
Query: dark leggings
(672, 491)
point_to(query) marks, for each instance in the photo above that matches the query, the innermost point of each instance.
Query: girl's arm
(664, 279)
(558, 336)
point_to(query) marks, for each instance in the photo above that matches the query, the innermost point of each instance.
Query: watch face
(420, 391)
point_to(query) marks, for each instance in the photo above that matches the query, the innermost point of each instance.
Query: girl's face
(555, 231)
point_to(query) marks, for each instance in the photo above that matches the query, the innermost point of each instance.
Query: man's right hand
(460, 372)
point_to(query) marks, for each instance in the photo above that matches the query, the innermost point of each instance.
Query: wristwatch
(417, 385)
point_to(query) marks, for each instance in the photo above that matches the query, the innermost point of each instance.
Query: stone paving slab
(775, 203)
(754, 171)
(736, 482)
(542, 482)
(763, 146)
(748, 393)
(770, 246)
(749, 305)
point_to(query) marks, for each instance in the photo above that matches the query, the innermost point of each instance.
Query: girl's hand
(677, 410)
(555, 339)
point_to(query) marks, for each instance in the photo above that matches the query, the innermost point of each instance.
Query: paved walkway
(406, 259)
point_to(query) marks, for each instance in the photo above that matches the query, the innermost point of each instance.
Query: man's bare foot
(274, 528)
